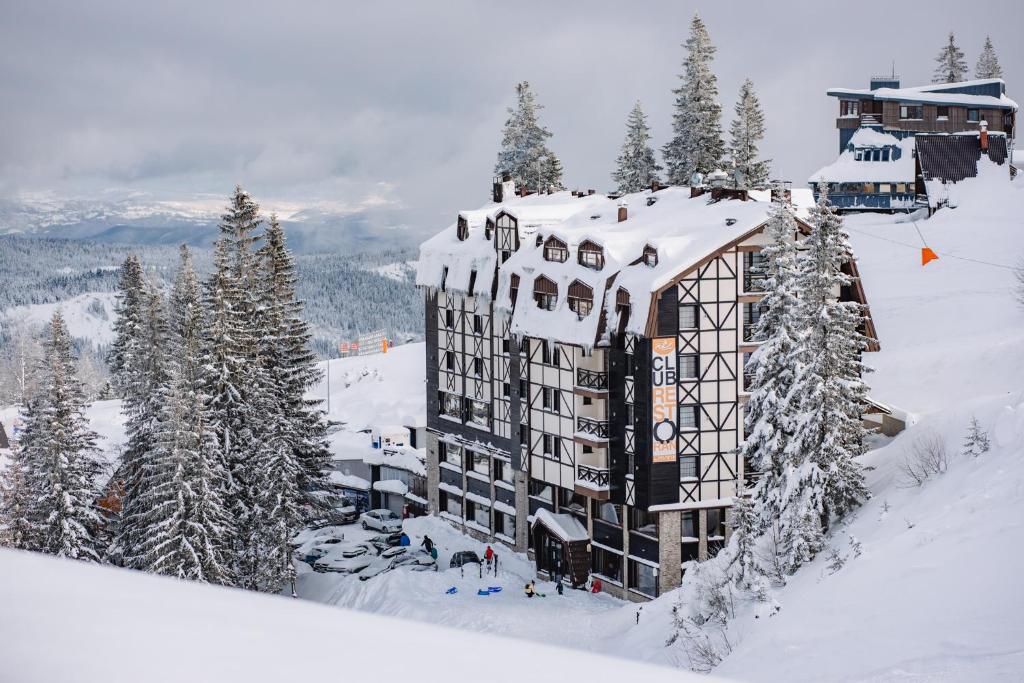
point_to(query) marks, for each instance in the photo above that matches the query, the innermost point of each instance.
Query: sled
(451, 591)
(483, 591)
(494, 589)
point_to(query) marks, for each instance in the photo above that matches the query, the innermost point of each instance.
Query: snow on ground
(399, 270)
(89, 316)
(61, 617)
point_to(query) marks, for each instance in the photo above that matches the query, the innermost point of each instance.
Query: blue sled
(494, 589)
(451, 591)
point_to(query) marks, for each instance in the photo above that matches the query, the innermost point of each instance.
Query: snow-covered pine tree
(772, 367)
(144, 387)
(183, 519)
(58, 453)
(293, 458)
(696, 144)
(828, 393)
(524, 152)
(745, 568)
(976, 442)
(746, 131)
(988, 63)
(15, 499)
(636, 166)
(950, 64)
(124, 359)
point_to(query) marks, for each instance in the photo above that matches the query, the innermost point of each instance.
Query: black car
(464, 557)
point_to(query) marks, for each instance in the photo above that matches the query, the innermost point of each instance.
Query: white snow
(88, 316)
(391, 486)
(61, 619)
(348, 480)
(563, 525)
(847, 169)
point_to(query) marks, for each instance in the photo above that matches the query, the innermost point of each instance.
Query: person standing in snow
(530, 590)
(489, 556)
(426, 543)
(403, 540)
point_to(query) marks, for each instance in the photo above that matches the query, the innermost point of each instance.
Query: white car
(344, 565)
(381, 520)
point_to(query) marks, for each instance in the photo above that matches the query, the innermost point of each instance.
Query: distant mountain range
(138, 219)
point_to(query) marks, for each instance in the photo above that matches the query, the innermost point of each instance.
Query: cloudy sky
(356, 104)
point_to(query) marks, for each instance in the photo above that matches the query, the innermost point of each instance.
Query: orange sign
(664, 397)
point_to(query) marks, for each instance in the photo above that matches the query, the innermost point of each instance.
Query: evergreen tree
(951, 66)
(15, 500)
(58, 457)
(143, 401)
(186, 528)
(746, 132)
(976, 442)
(124, 359)
(745, 568)
(636, 166)
(696, 144)
(769, 414)
(828, 392)
(524, 152)
(988, 63)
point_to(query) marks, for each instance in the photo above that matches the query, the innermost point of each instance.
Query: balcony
(595, 478)
(594, 380)
(591, 429)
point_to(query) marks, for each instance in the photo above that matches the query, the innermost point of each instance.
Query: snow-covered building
(945, 160)
(585, 358)
(876, 168)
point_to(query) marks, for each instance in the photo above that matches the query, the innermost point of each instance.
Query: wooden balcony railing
(593, 477)
(592, 427)
(591, 379)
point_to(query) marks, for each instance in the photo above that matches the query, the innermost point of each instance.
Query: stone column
(433, 475)
(522, 510)
(670, 552)
(702, 534)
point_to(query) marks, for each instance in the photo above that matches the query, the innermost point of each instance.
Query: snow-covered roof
(936, 93)
(683, 229)
(391, 486)
(402, 457)
(871, 137)
(348, 480)
(847, 169)
(564, 526)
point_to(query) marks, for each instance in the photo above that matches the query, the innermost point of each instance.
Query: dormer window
(591, 255)
(463, 229)
(488, 229)
(581, 298)
(650, 257)
(545, 293)
(555, 250)
(513, 290)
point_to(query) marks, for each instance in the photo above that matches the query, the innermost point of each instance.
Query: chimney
(623, 213)
(590, 192)
(504, 188)
(983, 136)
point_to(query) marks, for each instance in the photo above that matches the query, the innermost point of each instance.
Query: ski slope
(67, 621)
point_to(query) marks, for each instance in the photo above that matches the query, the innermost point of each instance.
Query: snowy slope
(89, 316)
(66, 621)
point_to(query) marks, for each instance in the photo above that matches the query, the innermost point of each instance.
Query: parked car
(395, 551)
(464, 557)
(417, 561)
(314, 551)
(384, 541)
(377, 568)
(347, 511)
(355, 549)
(381, 520)
(344, 565)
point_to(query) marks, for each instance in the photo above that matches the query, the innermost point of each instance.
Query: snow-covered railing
(593, 477)
(591, 379)
(592, 427)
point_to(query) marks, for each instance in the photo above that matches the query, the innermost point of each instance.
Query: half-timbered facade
(585, 357)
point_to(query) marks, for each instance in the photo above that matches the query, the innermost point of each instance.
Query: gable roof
(952, 158)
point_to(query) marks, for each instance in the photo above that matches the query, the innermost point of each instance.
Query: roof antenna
(894, 69)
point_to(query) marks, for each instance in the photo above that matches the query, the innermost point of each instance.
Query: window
(546, 398)
(973, 115)
(481, 514)
(689, 525)
(472, 282)
(630, 363)
(444, 278)
(607, 512)
(858, 155)
(545, 293)
(716, 523)
(449, 360)
(607, 564)
(588, 401)
(643, 578)
(450, 404)
(643, 522)
(505, 255)
(688, 366)
(849, 108)
(547, 444)
(868, 188)
(884, 188)
(451, 453)
(463, 229)
(539, 489)
(688, 467)
(522, 388)
(549, 354)
(629, 415)
(691, 551)
(901, 188)
(555, 250)
(587, 450)
(687, 316)
(479, 413)
(449, 318)
(506, 389)
(478, 462)
(478, 366)
(911, 111)
(505, 345)
(591, 255)
(754, 267)
(478, 324)
(942, 112)
(751, 316)
(688, 417)
(650, 256)
(885, 154)
(454, 505)
(513, 288)
(581, 298)
(503, 471)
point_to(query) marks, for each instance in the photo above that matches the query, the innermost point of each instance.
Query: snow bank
(167, 630)
(88, 316)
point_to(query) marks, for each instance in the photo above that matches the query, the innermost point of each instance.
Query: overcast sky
(401, 104)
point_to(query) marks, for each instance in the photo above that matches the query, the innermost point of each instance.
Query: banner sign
(663, 399)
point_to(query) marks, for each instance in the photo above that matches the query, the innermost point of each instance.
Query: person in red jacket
(489, 556)
(595, 585)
